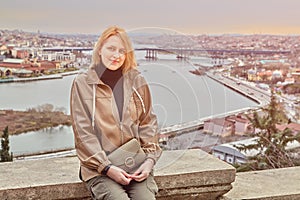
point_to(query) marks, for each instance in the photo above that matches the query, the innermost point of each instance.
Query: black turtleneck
(114, 79)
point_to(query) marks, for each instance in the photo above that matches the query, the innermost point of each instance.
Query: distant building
(226, 126)
(22, 73)
(218, 127)
(294, 127)
(5, 71)
(242, 125)
(251, 75)
(288, 80)
(20, 53)
(264, 75)
(276, 74)
(295, 73)
(2, 57)
(231, 154)
(17, 67)
(3, 49)
(25, 68)
(58, 56)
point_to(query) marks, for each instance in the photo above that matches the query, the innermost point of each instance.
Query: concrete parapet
(275, 184)
(192, 173)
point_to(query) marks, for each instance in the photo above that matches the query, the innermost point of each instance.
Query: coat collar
(92, 77)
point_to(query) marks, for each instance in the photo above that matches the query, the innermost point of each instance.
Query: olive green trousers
(104, 188)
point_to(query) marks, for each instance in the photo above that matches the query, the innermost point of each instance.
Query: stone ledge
(275, 184)
(191, 174)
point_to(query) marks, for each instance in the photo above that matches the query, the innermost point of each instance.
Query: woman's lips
(115, 62)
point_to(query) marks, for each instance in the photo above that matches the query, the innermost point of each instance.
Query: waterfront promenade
(39, 78)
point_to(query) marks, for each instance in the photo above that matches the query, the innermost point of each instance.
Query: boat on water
(199, 72)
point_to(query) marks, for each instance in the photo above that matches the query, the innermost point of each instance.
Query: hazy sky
(187, 16)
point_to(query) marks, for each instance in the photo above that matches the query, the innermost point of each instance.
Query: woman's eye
(111, 48)
(122, 51)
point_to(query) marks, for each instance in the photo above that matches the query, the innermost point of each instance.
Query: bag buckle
(129, 162)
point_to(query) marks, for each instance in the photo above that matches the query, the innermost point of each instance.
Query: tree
(271, 143)
(4, 151)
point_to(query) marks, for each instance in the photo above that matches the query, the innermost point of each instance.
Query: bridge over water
(151, 53)
(186, 52)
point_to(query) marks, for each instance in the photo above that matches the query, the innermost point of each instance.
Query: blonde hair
(130, 61)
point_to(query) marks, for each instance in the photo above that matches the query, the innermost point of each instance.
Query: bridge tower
(217, 60)
(151, 54)
(182, 54)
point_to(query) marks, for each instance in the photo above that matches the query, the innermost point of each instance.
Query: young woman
(110, 105)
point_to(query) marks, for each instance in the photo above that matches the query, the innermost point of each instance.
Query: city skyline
(189, 16)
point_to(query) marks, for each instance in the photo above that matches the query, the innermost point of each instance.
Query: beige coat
(97, 127)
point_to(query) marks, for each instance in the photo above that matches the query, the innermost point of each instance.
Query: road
(261, 96)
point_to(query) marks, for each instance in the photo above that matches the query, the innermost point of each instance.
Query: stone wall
(191, 174)
(275, 184)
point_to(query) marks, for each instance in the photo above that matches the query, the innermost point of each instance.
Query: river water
(178, 96)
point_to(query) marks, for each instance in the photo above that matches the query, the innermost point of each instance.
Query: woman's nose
(117, 55)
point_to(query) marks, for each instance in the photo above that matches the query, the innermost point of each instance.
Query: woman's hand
(143, 171)
(119, 175)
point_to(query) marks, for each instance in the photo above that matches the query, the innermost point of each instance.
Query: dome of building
(277, 74)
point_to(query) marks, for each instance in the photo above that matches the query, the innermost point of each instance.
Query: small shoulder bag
(129, 156)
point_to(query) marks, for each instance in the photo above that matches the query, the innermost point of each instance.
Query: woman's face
(113, 53)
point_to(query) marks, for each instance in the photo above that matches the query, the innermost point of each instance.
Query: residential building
(226, 126)
(294, 127)
(242, 125)
(219, 127)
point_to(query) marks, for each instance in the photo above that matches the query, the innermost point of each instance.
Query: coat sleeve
(87, 145)
(148, 128)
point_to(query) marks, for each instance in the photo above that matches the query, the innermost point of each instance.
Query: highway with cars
(262, 97)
